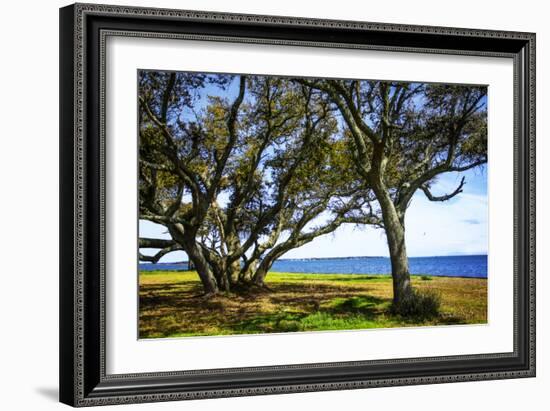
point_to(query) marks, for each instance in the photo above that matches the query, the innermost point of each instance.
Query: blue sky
(455, 227)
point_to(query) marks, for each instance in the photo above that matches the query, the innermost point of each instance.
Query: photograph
(275, 204)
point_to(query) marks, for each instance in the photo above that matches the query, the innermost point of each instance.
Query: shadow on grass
(273, 322)
(173, 309)
(167, 295)
(336, 314)
(303, 279)
(358, 305)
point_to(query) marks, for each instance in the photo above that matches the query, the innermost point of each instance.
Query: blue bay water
(450, 266)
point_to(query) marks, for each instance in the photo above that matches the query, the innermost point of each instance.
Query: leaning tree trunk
(196, 256)
(248, 271)
(394, 225)
(267, 262)
(234, 267)
(261, 272)
(204, 270)
(402, 288)
(234, 271)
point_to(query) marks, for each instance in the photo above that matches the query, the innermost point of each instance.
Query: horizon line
(341, 257)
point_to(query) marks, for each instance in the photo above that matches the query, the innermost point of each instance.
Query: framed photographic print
(261, 204)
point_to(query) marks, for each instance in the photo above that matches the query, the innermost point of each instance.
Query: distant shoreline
(453, 266)
(359, 257)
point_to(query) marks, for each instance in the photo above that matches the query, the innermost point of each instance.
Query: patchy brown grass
(170, 304)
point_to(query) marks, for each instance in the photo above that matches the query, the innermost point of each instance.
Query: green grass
(170, 305)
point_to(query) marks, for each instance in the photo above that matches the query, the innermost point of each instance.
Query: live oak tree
(404, 136)
(239, 181)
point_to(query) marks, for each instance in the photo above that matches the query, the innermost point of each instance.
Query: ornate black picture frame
(83, 379)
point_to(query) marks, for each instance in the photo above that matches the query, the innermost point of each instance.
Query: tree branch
(166, 97)
(155, 258)
(469, 166)
(182, 170)
(232, 130)
(155, 243)
(445, 197)
(350, 118)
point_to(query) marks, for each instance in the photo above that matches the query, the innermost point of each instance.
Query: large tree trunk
(399, 263)
(248, 271)
(394, 224)
(266, 263)
(203, 269)
(196, 256)
(261, 272)
(234, 271)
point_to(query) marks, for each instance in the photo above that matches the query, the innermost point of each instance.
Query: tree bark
(249, 270)
(394, 224)
(203, 268)
(261, 272)
(233, 268)
(234, 271)
(195, 254)
(265, 266)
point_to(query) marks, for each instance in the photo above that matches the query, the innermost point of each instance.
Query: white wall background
(29, 206)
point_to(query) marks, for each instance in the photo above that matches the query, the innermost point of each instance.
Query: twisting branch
(155, 243)
(181, 169)
(281, 195)
(176, 204)
(155, 258)
(166, 97)
(445, 197)
(407, 193)
(336, 90)
(352, 119)
(232, 130)
(469, 166)
(154, 166)
(159, 219)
